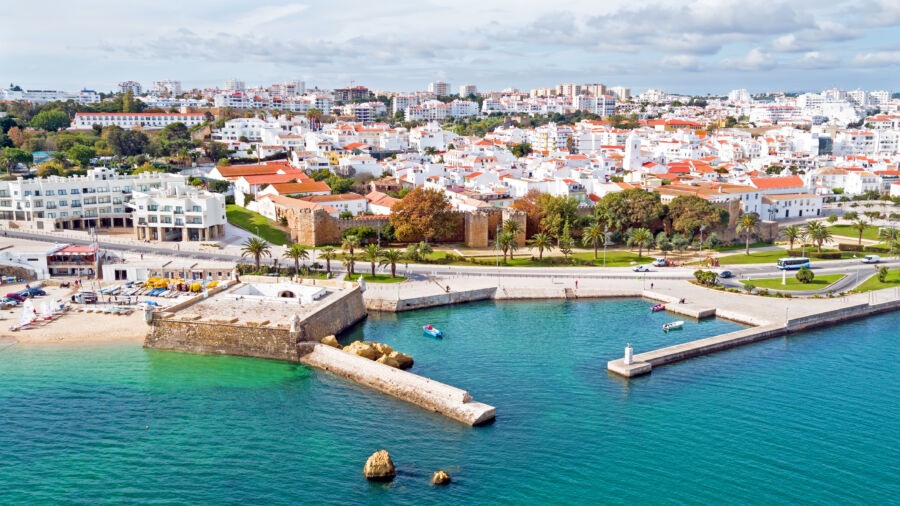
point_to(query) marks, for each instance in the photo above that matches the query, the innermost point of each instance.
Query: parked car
(33, 292)
(6, 301)
(871, 259)
(726, 274)
(641, 268)
(660, 262)
(18, 296)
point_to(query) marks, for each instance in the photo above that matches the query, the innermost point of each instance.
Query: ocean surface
(813, 418)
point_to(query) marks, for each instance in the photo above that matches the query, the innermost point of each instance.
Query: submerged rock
(440, 478)
(403, 360)
(379, 467)
(331, 341)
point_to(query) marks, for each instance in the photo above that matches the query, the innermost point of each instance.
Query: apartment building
(439, 88)
(45, 96)
(234, 85)
(344, 95)
(132, 86)
(128, 120)
(603, 105)
(467, 90)
(177, 212)
(167, 87)
(401, 102)
(97, 199)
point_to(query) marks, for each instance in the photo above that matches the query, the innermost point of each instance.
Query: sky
(691, 46)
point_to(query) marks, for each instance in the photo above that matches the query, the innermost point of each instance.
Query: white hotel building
(178, 212)
(97, 199)
(128, 120)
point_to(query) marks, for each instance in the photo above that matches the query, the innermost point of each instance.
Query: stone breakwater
(426, 393)
(643, 363)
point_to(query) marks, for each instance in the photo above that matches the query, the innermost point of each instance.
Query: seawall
(644, 363)
(426, 393)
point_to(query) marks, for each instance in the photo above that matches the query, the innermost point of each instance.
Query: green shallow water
(812, 418)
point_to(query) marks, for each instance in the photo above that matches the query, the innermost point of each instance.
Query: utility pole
(605, 240)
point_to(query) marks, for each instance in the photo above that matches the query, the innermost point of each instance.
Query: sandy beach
(73, 327)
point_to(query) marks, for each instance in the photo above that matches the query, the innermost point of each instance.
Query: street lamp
(605, 241)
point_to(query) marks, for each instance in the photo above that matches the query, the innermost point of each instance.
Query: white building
(468, 90)
(439, 88)
(178, 212)
(604, 105)
(739, 96)
(167, 87)
(234, 85)
(621, 93)
(97, 199)
(133, 86)
(128, 120)
(45, 96)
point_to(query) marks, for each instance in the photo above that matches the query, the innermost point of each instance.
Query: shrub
(850, 247)
(877, 249)
(763, 291)
(805, 275)
(748, 286)
(882, 274)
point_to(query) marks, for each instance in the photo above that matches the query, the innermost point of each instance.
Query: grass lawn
(892, 281)
(251, 222)
(379, 278)
(870, 233)
(818, 283)
(735, 247)
(773, 256)
(614, 258)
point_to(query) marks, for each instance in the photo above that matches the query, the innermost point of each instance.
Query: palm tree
(505, 242)
(350, 243)
(349, 262)
(297, 252)
(256, 247)
(640, 237)
(748, 225)
(391, 257)
(792, 233)
(329, 254)
(593, 235)
(371, 254)
(542, 242)
(860, 225)
(512, 227)
(818, 233)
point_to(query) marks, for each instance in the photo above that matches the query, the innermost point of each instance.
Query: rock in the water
(380, 467)
(331, 341)
(440, 478)
(382, 349)
(388, 360)
(403, 360)
(363, 349)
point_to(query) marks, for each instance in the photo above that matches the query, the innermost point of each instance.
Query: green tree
(81, 154)
(257, 248)
(296, 252)
(12, 157)
(126, 142)
(50, 168)
(520, 150)
(391, 257)
(424, 214)
(805, 275)
(505, 242)
(556, 211)
(372, 254)
(640, 237)
(832, 219)
(818, 233)
(688, 213)
(792, 233)
(542, 242)
(128, 101)
(329, 254)
(593, 235)
(632, 208)
(564, 241)
(349, 262)
(349, 243)
(860, 225)
(748, 225)
(50, 121)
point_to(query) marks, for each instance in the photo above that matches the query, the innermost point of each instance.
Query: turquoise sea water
(811, 418)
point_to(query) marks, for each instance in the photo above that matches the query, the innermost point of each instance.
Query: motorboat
(658, 307)
(673, 326)
(431, 331)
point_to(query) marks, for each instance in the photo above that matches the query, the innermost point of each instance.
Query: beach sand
(73, 327)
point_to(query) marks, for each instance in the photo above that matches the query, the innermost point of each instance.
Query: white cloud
(683, 62)
(756, 59)
(816, 60)
(812, 39)
(878, 59)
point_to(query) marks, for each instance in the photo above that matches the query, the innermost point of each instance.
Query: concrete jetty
(423, 392)
(643, 363)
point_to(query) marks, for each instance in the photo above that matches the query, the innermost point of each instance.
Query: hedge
(849, 247)
(825, 255)
(878, 249)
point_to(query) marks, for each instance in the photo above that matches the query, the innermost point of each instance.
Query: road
(853, 268)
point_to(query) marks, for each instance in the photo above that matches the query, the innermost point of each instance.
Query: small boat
(673, 325)
(658, 307)
(431, 331)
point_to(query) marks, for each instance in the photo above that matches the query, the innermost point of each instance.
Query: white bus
(792, 263)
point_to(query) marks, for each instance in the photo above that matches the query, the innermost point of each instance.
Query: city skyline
(695, 48)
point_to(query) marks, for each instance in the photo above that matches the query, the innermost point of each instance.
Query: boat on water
(431, 331)
(673, 326)
(658, 307)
